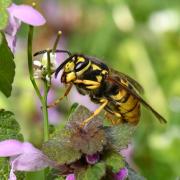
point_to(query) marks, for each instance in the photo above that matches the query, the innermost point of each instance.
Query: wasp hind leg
(95, 113)
(57, 101)
(113, 117)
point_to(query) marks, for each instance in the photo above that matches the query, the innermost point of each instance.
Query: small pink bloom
(92, 159)
(18, 13)
(70, 177)
(122, 174)
(23, 157)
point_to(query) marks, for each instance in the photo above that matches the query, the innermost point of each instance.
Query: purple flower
(18, 13)
(23, 157)
(122, 174)
(92, 159)
(70, 177)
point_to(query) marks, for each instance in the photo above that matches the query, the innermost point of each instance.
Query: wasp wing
(130, 80)
(132, 92)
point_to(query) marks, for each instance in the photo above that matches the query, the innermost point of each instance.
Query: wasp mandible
(117, 93)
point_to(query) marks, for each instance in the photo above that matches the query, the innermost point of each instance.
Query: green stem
(43, 98)
(56, 42)
(45, 112)
(30, 62)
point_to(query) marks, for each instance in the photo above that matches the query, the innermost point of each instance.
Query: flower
(18, 13)
(70, 177)
(92, 159)
(23, 157)
(41, 66)
(122, 174)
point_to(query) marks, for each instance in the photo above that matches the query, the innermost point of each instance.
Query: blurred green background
(138, 37)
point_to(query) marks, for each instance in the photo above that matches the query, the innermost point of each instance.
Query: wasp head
(73, 68)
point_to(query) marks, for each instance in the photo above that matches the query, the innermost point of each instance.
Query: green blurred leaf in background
(7, 68)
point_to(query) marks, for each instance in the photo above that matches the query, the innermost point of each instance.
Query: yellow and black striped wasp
(117, 93)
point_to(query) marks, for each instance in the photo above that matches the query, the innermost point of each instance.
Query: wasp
(117, 93)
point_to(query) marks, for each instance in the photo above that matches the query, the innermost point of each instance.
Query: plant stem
(30, 63)
(56, 41)
(43, 98)
(45, 112)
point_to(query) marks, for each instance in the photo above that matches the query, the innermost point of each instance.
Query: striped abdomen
(125, 106)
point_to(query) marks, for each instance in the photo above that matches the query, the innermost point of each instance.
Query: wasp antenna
(39, 52)
(57, 51)
(61, 66)
(63, 51)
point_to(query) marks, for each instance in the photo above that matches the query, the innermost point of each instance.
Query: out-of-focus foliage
(4, 14)
(9, 129)
(7, 68)
(140, 38)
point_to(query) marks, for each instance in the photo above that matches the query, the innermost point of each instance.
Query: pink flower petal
(11, 40)
(10, 148)
(28, 15)
(31, 159)
(70, 177)
(14, 23)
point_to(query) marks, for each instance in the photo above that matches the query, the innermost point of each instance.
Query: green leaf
(4, 4)
(7, 68)
(3, 19)
(114, 161)
(60, 150)
(133, 175)
(91, 139)
(73, 108)
(4, 168)
(9, 128)
(95, 172)
(119, 136)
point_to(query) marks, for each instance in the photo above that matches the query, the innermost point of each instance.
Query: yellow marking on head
(69, 66)
(95, 67)
(70, 77)
(80, 59)
(99, 78)
(119, 95)
(84, 69)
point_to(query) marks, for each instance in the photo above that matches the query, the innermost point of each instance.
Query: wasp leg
(57, 101)
(87, 82)
(95, 113)
(90, 84)
(114, 118)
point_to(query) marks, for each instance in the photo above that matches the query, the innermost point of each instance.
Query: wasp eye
(80, 66)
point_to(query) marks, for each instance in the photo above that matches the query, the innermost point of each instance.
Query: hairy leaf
(95, 172)
(60, 150)
(7, 68)
(89, 139)
(119, 136)
(4, 168)
(9, 128)
(132, 175)
(114, 161)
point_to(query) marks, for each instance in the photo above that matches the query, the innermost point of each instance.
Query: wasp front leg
(57, 101)
(95, 113)
(89, 83)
